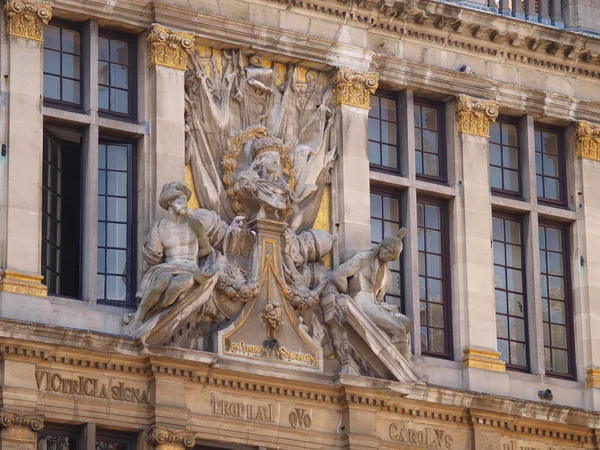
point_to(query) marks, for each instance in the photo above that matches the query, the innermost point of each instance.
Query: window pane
(374, 133)
(388, 132)
(388, 109)
(71, 66)
(117, 184)
(70, 41)
(52, 87)
(103, 74)
(116, 209)
(509, 135)
(52, 37)
(116, 235)
(115, 261)
(119, 76)
(389, 156)
(52, 62)
(103, 101)
(118, 101)
(431, 165)
(71, 91)
(103, 50)
(429, 118)
(116, 288)
(495, 155)
(430, 141)
(119, 52)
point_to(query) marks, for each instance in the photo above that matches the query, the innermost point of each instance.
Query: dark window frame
(105, 435)
(440, 107)
(131, 41)
(71, 431)
(62, 104)
(390, 95)
(562, 175)
(446, 276)
(568, 300)
(520, 219)
(131, 263)
(506, 192)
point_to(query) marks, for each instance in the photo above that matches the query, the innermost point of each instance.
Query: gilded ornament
(588, 141)
(354, 88)
(26, 18)
(162, 436)
(12, 418)
(473, 116)
(593, 378)
(477, 358)
(22, 283)
(169, 48)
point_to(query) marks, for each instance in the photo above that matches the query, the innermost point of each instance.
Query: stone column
(21, 266)
(166, 439)
(165, 91)
(474, 236)
(351, 98)
(19, 431)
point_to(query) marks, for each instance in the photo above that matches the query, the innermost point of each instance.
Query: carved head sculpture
(174, 192)
(266, 157)
(390, 248)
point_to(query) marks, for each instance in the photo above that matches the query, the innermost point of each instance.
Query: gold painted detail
(354, 88)
(193, 203)
(588, 140)
(12, 418)
(473, 116)
(22, 283)
(26, 18)
(179, 438)
(476, 358)
(169, 48)
(323, 221)
(593, 378)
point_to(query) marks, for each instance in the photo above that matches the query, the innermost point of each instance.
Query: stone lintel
(473, 115)
(22, 283)
(592, 380)
(480, 358)
(354, 88)
(27, 18)
(169, 48)
(12, 418)
(588, 140)
(166, 438)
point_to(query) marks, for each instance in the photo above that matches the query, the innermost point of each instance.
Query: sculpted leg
(149, 299)
(179, 284)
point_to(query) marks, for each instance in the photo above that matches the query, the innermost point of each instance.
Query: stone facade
(267, 83)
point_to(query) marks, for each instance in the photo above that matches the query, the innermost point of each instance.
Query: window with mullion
(383, 132)
(116, 63)
(556, 301)
(115, 223)
(430, 158)
(504, 158)
(62, 65)
(509, 280)
(549, 163)
(57, 437)
(385, 221)
(51, 214)
(112, 440)
(434, 301)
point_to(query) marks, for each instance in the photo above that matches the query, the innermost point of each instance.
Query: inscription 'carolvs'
(431, 437)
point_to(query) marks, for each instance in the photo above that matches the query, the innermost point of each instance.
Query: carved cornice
(22, 283)
(588, 140)
(477, 358)
(353, 88)
(169, 48)
(26, 18)
(17, 419)
(473, 116)
(164, 436)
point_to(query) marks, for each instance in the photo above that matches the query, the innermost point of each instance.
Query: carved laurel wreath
(235, 144)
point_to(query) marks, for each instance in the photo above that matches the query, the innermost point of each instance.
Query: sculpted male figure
(366, 277)
(172, 249)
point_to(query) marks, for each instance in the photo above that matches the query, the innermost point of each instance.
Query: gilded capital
(22, 283)
(353, 88)
(175, 438)
(12, 418)
(169, 48)
(473, 116)
(26, 18)
(588, 140)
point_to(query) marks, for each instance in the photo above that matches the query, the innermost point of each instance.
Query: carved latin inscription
(242, 410)
(241, 348)
(473, 116)
(429, 437)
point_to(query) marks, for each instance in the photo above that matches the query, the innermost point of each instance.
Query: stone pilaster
(26, 18)
(351, 94)
(19, 431)
(166, 439)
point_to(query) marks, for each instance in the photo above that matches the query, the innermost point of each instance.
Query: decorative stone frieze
(477, 358)
(26, 18)
(22, 283)
(17, 419)
(474, 115)
(588, 140)
(353, 88)
(159, 436)
(592, 380)
(169, 48)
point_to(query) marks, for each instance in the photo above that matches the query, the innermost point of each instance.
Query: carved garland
(26, 18)
(588, 141)
(474, 115)
(10, 418)
(169, 48)
(158, 435)
(353, 88)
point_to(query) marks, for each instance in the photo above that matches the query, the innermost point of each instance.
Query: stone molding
(588, 140)
(17, 419)
(473, 115)
(478, 358)
(22, 283)
(27, 18)
(354, 88)
(169, 48)
(176, 438)
(592, 380)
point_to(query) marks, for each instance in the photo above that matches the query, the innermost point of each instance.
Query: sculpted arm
(153, 248)
(340, 276)
(204, 248)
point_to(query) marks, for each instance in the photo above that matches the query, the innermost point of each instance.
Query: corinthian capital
(176, 438)
(473, 116)
(12, 418)
(26, 18)
(588, 140)
(353, 88)
(169, 48)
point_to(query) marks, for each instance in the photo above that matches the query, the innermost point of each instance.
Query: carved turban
(171, 191)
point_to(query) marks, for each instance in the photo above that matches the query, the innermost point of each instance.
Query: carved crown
(266, 144)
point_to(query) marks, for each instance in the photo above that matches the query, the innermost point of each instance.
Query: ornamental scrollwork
(473, 116)
(169, 48)
(26, 18)
(12, 418)
(160, 436)
(588, 140)
(353, 88)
